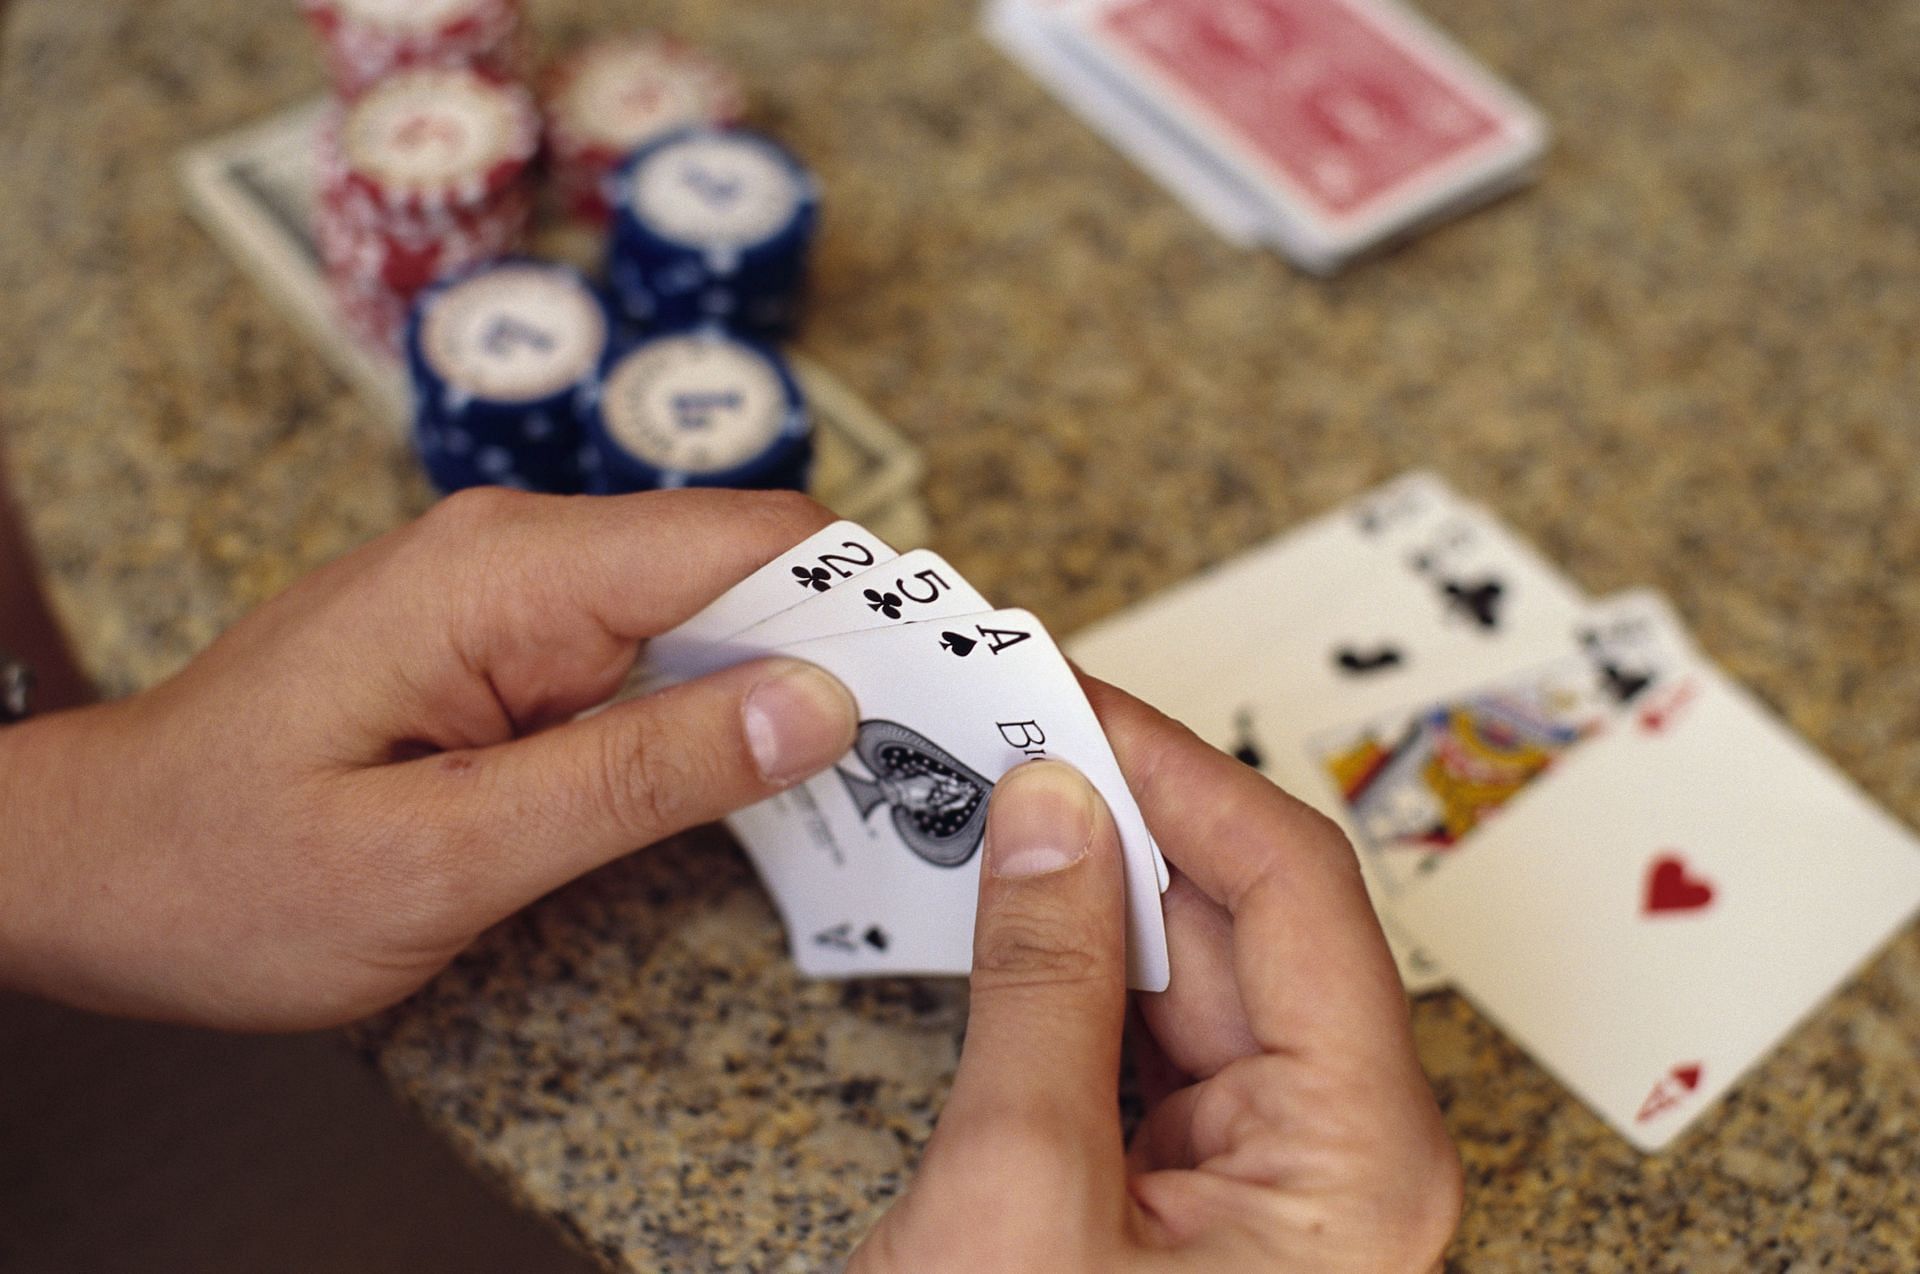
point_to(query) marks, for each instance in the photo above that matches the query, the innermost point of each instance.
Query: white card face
(1654, 918)
(1356, 612)
(1413, 784)
(915, 586)
(875, 864)
(816, 564)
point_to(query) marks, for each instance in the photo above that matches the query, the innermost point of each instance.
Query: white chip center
(633, 93)
(517, 333)
(716, 190)
(429, 128)
(407, 15)
(694, 405)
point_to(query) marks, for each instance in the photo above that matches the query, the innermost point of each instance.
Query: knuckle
(793, 509)
(1023, 950)
(475, 509)
(644, 776)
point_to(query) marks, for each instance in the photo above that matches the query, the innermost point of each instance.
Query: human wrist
(51, 810)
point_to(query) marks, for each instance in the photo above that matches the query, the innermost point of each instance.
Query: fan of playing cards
(875, 864)
(1560, 806)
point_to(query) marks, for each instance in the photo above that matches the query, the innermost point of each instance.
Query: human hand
(1289, 1126)
(341, 792)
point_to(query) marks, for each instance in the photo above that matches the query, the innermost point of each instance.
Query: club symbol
(876, 937)
(961, 646)
(1353, 660)
(839, 937)
(1246, 751)
(1480, 602)
(935, 803)
(887, 604)
(817, 578)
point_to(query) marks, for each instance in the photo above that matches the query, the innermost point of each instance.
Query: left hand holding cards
(1289, 1125)
(348, 786)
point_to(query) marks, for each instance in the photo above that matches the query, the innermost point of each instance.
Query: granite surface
(1687, 358)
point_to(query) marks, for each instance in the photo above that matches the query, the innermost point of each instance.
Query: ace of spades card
(874, 865)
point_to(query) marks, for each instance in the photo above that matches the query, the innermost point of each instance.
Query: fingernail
(1041, 820)
(798, 721)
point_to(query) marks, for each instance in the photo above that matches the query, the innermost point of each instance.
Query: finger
(1048, 998)
(1312, 968)
(515, 820)
(554, 594)
(1199, 1020)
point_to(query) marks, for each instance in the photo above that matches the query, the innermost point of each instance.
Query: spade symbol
(961, 646)
(876, 937)
(1624, 684)
(937, 805)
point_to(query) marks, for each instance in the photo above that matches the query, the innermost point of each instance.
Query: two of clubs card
(1322, 127)
(1560, 806)
(874, 865)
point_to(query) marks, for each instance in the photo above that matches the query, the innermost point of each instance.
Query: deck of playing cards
(1324, 128)
(874, 865)
(1561, 807)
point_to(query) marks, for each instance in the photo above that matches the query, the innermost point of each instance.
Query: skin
(1290, 1126)
(334, 799)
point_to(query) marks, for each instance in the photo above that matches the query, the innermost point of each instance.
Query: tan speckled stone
(1687, 358)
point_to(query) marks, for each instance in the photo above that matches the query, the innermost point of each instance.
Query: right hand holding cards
(875, 864)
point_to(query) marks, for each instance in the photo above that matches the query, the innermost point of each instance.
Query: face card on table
(816, 564)
(1657, 916)
(875, 865)
(1412, 784)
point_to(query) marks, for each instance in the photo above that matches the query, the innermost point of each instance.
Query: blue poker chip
(499, 357)
(696, 408)
(712, 225)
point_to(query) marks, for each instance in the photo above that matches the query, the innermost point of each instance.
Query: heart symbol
(1670, 888)
(961, 646)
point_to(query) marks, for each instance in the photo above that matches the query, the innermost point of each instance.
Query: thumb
(1048, 999)
(522, 818)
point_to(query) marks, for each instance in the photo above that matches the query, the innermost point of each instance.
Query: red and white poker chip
(369, 40)
(429, 144)
(617, 94)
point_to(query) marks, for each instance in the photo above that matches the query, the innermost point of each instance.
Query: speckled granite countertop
(1687, 358)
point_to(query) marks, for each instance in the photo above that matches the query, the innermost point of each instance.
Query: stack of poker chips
(712, 226)
(617, 94)
(700, 407)
(503, 359)
(422, 176)
(368, 40)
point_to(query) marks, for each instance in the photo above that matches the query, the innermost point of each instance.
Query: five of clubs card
(1560, 807)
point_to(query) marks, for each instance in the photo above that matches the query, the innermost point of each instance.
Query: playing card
(1358, 611)
(1116, 109)
(1412, 784)
(914, 586)
(1350, 120)
(1651, 920)
(816, 564)
(875, 865)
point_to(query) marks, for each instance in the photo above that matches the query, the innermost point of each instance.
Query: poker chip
(712, 225)
(616, 95)
(427, 145)
(421, 178)
(500, 359)
(696, 408)
(368, 40)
